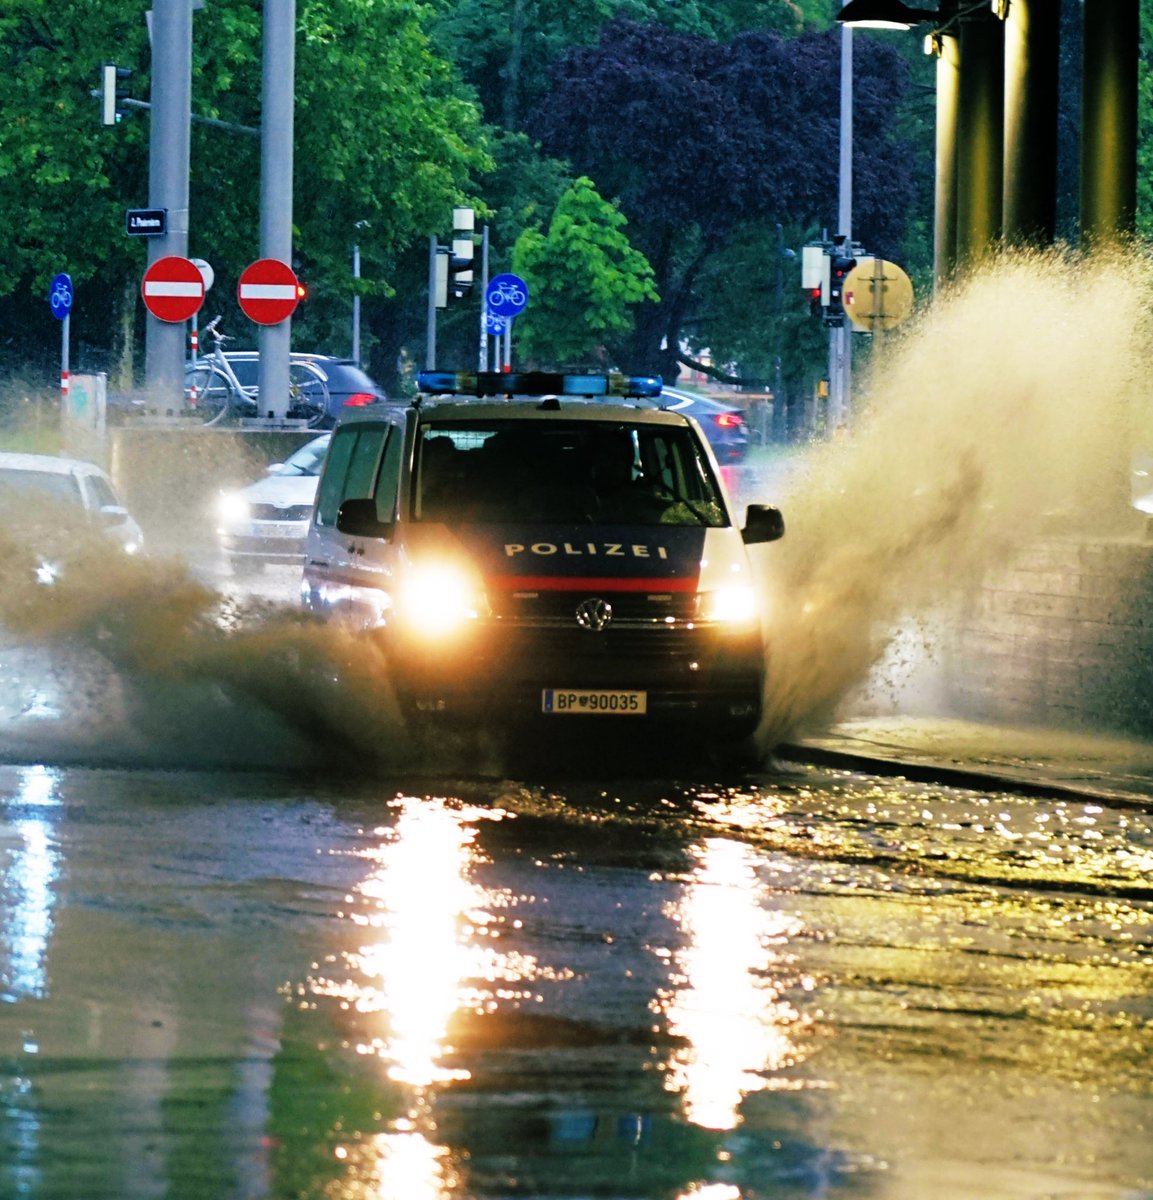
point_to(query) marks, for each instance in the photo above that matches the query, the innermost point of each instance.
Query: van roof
(534, 409)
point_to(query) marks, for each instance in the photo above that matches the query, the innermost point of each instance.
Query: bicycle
(213, 392)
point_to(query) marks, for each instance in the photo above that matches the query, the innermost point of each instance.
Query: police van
(548, 549)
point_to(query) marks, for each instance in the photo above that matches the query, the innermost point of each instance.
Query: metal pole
(355, 304)
(840, 337)
(276, 188)
(64, 366)
(482, 357)
(168, 183)
(430, 341)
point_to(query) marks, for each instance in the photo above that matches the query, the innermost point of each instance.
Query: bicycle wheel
(307, 394)
(207, 393)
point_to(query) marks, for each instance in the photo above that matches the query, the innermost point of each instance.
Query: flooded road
(809, 984)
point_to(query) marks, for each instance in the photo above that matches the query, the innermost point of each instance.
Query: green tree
(385, 136)
(584, 278)
(507, 49)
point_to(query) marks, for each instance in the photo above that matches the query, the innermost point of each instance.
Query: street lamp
(883, 14)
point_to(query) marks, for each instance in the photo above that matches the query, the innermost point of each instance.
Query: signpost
(209, 277)
(60, 302)
(268, 291)
(877, 295)
(505, 298)
(173, 289)
(506, 295)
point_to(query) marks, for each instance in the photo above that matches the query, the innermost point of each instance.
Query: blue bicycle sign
(494, 323)
(60, 296)
(506, 295)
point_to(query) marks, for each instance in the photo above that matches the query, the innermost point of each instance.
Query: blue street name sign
(506, 295)
(60, 296)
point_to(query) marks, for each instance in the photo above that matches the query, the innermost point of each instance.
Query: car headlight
(47, 573)
(438, 598)
(735, 604)
(232, 508)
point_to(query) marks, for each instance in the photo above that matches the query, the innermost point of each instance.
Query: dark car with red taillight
(724, 425)
(349, 385)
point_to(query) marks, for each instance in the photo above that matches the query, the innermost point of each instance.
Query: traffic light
(301, 291)
(839, 266)
(460, 267)
(113, 89)
(460, 261)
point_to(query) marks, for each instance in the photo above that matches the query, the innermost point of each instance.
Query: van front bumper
(695, 676)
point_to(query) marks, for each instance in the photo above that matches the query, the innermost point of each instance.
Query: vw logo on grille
(594, 614)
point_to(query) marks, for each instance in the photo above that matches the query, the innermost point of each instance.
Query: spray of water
(133, 660)
(1006, 411)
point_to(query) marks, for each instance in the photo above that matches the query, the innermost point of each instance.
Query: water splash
(1007, 410)
(150, 665)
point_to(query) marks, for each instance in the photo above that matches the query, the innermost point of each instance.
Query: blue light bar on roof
(536, 383)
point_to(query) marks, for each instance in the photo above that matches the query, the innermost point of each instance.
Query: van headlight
(438, 599)
(734, 604)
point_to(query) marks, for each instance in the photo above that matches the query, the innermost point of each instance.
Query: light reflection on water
(438, 951)
(727, 1007)
(550, 993)
(26, 885)
(412, 972)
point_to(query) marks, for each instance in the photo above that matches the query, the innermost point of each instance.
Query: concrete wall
(170, 475)
(1062, 638)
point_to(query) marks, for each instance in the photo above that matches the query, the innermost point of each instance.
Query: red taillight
(729, 421)
(359, 400)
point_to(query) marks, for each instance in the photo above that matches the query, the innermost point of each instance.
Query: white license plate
(594, 701)
(278, 529)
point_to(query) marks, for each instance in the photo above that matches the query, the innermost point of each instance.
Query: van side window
(388, 484)
(354, 459)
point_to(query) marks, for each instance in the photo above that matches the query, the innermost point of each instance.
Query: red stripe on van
(587, 583)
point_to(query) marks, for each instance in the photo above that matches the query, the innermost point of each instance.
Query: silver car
(35, 485)
(266, 522)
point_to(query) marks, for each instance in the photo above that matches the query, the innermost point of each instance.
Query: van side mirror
(359, 518)
(763, 523)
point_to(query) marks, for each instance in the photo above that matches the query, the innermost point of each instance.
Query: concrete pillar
(1031, 62)
(945, 187)
(276, 142)
(980, 137)
(1109, 119)
(169, 143)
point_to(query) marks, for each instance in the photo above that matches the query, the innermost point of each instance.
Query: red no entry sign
(173, 289)
(268, 291)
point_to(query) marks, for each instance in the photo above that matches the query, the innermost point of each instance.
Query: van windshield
(584, 473)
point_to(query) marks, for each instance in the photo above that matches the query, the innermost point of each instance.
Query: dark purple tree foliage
(693, 137)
